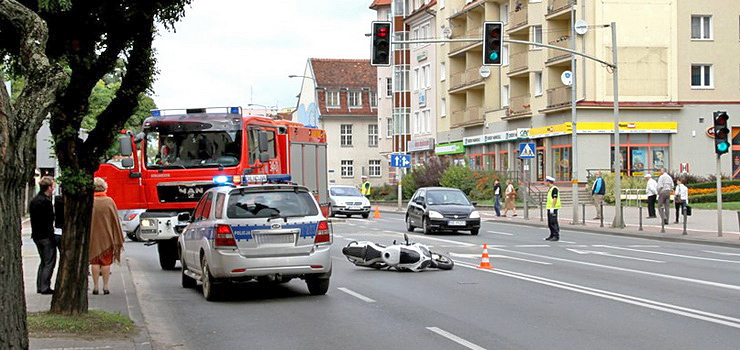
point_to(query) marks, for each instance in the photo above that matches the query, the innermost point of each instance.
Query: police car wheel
(211, 290)
(317, 286)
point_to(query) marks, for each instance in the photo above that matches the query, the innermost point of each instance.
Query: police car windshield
(271, 205)
(345, 192)
(193, 149)
(446, 197)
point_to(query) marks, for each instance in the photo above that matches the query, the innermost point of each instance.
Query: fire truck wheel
(167, 254)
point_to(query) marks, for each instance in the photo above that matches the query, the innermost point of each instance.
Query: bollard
(640, 229)
(662, 225)
(602, 215)
(541, 217)
(738, 217)
(621, 212)
(583, 217)
(683, 211)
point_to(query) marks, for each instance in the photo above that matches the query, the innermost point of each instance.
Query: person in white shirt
(665, 186)
(652, 193)
(681, 197)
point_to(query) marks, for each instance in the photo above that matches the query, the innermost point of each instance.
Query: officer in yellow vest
(553, 205)
(365, 187)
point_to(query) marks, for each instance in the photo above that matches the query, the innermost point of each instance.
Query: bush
(713, 184)
(484, 179)
(385, 192)
(459, 176)
(409, 185)
(688, 178)
(425, 175)
(707, 198)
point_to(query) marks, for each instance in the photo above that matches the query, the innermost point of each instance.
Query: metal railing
(518, 61)
(519, 105)
(558, 5)
(518, 17)
(560, 41)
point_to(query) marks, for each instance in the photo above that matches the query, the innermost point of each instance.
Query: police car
(266, 232)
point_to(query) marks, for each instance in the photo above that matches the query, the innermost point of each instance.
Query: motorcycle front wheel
(442, 262)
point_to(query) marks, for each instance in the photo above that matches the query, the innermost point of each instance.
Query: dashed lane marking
(455, 338)
(501, 233)
(356, 295)
(477, 256)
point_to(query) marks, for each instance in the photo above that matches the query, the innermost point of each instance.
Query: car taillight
(323, 235)
(130, 217)
(224, 237)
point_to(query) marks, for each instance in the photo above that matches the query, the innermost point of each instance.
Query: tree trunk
(13, 327)
(71, 286)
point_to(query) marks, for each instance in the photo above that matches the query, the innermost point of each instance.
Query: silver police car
(261, 232)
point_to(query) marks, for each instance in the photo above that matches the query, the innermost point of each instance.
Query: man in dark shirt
(42, 232)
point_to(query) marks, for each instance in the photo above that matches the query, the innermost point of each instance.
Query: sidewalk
(701, 227)
(122, 299)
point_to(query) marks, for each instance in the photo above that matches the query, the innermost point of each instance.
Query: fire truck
(180, 154)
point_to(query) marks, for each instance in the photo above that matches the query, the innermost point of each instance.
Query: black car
(442, 208)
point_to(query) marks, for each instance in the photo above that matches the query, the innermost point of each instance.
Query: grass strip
(94, 324)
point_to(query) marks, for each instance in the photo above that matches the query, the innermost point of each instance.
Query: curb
(143, 340)
(613, 233)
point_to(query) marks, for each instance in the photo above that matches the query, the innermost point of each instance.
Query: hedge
(725, 183)
(708, 198)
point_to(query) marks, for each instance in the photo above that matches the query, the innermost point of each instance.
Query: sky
(236, 52)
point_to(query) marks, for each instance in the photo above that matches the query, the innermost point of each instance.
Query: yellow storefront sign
(605, 128)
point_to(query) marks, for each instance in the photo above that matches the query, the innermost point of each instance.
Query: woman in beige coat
(106, 236)
(510, 197)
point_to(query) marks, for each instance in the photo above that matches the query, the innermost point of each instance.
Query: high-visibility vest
(365, 188)
(550, 204)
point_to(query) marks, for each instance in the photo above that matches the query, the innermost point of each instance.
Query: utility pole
(618, 219)
(574, 137)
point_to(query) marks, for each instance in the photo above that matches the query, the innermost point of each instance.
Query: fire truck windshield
(170, 149)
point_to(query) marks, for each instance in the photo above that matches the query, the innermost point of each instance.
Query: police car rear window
(271, 204)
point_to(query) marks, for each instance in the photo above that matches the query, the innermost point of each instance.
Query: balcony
(558, 7)
(518, 62)
(519, 17)
(465, 78)
(467, 117)
(459, 47)
(519, 106)
(560, 96)
(555, 55)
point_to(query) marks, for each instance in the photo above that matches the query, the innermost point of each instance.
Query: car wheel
(186, 281)
(167, 251)
(131, 236)
(365, 215)
(409, 227)
(137, 234)
(474, 231)
(425, 226)
(211, 289)
(316, 285)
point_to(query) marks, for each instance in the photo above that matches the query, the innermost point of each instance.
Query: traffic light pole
(719, 196)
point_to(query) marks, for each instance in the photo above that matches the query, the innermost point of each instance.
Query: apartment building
(678, 62)
(423, 67)
(340, 96)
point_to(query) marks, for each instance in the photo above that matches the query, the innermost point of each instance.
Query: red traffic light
(383, 32)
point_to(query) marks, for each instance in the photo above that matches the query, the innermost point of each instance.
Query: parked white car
(130, 223)
(348, 200)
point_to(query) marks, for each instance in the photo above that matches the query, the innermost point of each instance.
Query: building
(340, 96)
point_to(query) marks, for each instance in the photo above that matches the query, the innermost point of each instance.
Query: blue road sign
(526, 150)
(400, 160)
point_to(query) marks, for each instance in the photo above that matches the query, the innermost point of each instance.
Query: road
(587, 291)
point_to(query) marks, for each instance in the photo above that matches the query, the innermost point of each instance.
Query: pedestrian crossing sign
(526, 150)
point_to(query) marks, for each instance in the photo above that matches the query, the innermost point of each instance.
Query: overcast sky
(235, 52)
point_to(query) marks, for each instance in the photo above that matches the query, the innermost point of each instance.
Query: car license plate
(457, 223)
(275, 239)
(355, 208)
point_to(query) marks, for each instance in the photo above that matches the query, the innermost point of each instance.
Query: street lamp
(301, 76)
(299, 94)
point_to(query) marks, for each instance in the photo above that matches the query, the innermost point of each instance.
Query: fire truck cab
(180, 154)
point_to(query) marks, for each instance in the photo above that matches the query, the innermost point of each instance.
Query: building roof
(344, 73)
(377, 3)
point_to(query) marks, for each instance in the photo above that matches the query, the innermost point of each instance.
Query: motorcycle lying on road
(405, 256)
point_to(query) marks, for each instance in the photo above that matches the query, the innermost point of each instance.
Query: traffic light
(492, 37)
(721, 133)
(381, 55)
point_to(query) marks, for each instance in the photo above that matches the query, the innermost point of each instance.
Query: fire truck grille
(181, 193)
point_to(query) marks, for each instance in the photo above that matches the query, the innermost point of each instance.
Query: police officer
(365, 187)
(553, 205)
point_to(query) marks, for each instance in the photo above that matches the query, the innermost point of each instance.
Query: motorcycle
(406, 256)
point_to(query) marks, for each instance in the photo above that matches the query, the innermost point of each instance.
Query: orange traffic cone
(377, 212)
(485, 263)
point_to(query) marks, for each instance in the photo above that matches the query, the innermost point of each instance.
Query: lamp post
(299, 94)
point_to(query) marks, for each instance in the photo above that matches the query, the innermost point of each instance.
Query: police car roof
(266, 187)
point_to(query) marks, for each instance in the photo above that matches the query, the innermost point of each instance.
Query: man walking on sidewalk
(597, 192)
(553, 205)
(652, 193)
(497, 197)
(42, 232)
(665, 186)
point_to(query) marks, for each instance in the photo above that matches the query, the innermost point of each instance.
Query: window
(254, 149)
(348, 169)
(417, 123)
(505, 96)
(273, 204)
(416, 80)
(416, 35)
(332, 99)
(355, 99)
(389, 128)
(345, 132)
(443, 109)
(374, 168)
(426, 122)
(442, 71)
(388, 87)
(701, 27)
(538, 83)
(701, 76)
(372, 134)
(537, 36)
(373, 99)
(505, 55)
(505, 13)
(220, 205)
(426, 82)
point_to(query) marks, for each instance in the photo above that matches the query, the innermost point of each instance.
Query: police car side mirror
(184, 216)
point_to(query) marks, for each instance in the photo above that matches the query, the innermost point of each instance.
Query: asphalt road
(587, 291)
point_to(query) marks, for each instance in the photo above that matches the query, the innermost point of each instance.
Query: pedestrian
(652, 193)
(597, 192)
(665, 186)
(41, 210)
(552, 206)
(510, 198)
(497, 197)
(365, 187)
(106, 236)
(680, 198)
(58, 221)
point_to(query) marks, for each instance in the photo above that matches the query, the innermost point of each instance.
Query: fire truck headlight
(147, 223)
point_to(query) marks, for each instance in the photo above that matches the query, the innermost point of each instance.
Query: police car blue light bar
(156, 113)
(221, 179)
(234, 110)
(278, 178)
(271, 178)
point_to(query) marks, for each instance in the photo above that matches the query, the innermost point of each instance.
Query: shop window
(641, 153)
(562, 163)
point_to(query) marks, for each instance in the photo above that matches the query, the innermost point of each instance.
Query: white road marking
(655, 274)
(721, 253)
(668, 254)
(643, 246)
(569, 242)
(435, 239)
(338, 236)
(532, 245)
(501, 233)
(356, 295)
(478, 256)
(455, 338)
(577, 246)
(651, 304)
(578, 251)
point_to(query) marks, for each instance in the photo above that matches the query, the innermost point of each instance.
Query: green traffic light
(493, 56)
(723, 147)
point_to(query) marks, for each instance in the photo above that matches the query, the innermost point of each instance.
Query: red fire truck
(179, 154)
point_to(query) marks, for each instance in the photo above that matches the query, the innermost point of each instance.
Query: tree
(38, 39)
